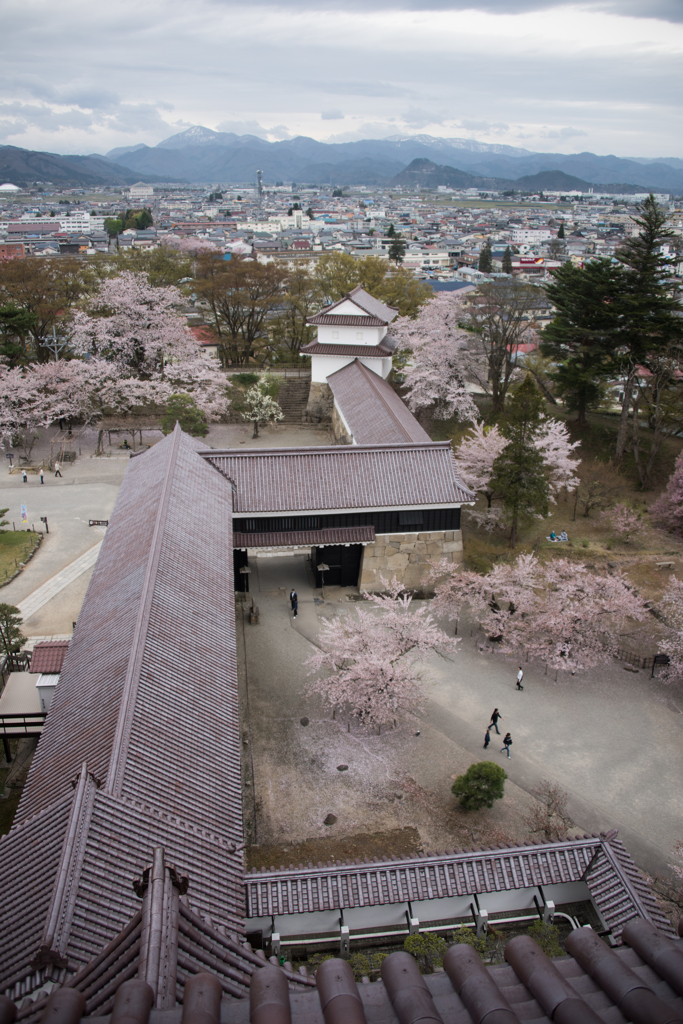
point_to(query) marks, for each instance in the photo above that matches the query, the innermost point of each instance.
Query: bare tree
(502, 316)
(548, 818)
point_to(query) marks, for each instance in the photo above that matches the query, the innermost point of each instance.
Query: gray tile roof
(341, 477)
(345, 320)
(618, 889)
(375, 307)
(373, 411)
(305, 538)
(145, 717)
(316, 348)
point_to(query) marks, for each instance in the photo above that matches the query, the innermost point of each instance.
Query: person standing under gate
(294, 601)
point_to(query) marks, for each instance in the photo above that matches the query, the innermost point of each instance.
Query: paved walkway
(66, 576)
(612, 739)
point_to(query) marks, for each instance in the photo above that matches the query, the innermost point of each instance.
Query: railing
(301, 369)
(23, 725)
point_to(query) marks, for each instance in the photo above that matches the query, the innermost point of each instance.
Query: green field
(15, 546)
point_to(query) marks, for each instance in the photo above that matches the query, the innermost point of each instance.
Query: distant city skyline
(600, 76)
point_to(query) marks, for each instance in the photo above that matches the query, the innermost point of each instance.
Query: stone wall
(407, 556)
(320, 403)
(341, 434)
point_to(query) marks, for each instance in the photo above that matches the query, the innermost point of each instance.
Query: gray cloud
(332, 115)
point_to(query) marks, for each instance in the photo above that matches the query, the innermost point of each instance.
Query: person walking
(520, 676)
(41, 477)
(507, 743)
(294, 601)
(24, 476)
(57, 470)
(494, 720)
(487, 739)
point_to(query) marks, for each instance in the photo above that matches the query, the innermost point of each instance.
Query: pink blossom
(667, 511)
(134, 324)
(623, 520)
(672, 603)
(372, 657)
(561, 612)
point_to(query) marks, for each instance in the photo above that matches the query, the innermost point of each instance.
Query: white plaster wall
(323, 366)
(348, 335)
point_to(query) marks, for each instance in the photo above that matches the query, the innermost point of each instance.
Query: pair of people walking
(493, 724)
(294, 602)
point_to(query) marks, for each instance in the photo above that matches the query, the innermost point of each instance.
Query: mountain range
(23, 166)
(201, 155)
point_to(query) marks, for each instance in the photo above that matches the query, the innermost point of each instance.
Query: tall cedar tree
(507, 261)
(584, 335)
(518, 472)
(485, 258)
(560, 233)
(653, 322)
(397, 250)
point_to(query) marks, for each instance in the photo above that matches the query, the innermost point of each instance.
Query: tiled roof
(48, 656)
(368, 303)
(341, 477)
(315, 348)
(372, 409)
(305, 538)
(614, 881)
(345, 320)
(145, 717)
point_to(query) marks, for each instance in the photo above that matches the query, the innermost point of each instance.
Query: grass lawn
(15, 546)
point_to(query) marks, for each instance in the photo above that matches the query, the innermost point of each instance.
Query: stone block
(393, 544)
(420, 546)
(408, 545)
(398, 561)
(434, 548)
(413, 558)
(452, 545)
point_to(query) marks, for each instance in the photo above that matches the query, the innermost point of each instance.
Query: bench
(664, 565)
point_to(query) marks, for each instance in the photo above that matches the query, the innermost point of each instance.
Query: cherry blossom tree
(553, 442)
(667, 511)
(261, 406)
(672, 603)
(371, 657)
(133, 324)
(623, 520)
(437, 375)
(481, 446)
(562, 613)
(475, 456)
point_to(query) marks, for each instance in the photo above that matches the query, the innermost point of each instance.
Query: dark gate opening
(344, 562)
(241, 560)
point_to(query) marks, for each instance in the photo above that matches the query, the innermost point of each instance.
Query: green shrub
(244, 379)
(481, 784)
(547, 936)
(585, 544)
(366, 965)
(467, 937)
(428, 949)
(183, 408)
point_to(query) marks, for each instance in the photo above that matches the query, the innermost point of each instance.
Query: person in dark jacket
(494, 720)
(507, 743)
(487, 739)
(294, 601)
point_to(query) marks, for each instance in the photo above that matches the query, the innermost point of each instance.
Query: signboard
(98, 522)
(24, 516)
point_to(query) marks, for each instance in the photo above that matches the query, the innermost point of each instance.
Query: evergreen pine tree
(397, 250)
(485, 260)
(391, 233)
(518, 472)
(507, 261)
(560, 233)
(584, 335)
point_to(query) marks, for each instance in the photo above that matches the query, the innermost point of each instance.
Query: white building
(531, 234)
(353, 328)
(81, 223)
(140, 192)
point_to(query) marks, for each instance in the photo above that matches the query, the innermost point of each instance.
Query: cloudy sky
(82, 76)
